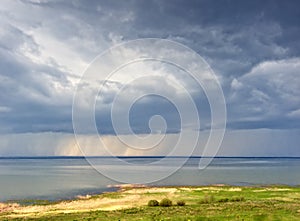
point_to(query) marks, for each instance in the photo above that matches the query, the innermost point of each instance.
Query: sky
(252, 47)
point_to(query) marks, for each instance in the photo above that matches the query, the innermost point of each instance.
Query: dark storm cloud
(232, 35)
(27, 89)
(140, 115)
(235, 37)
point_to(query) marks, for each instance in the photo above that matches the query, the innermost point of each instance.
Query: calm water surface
(64, 178)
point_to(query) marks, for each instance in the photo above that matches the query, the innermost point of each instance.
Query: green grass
(219, 203)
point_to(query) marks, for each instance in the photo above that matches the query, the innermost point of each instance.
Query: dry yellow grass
(127, 198)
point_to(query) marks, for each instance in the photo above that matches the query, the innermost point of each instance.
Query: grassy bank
(201, 203)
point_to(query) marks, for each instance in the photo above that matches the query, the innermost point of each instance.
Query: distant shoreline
(133, 157)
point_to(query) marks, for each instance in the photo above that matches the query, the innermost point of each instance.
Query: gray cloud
(267, 96)
(43, 55)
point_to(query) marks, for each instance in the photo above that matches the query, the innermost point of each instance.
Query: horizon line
(124, 157)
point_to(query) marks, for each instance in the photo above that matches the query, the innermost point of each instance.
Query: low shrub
(223, 200)
(233, 199)
(165, 202)
(180, 203)
(153, 203)
(237, 199)
(207, 199)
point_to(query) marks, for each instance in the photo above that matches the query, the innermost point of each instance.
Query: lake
(67, 177)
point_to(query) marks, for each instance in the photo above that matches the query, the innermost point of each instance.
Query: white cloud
(4, 109)
(294, 114)
(270, 89)
(236, 85)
